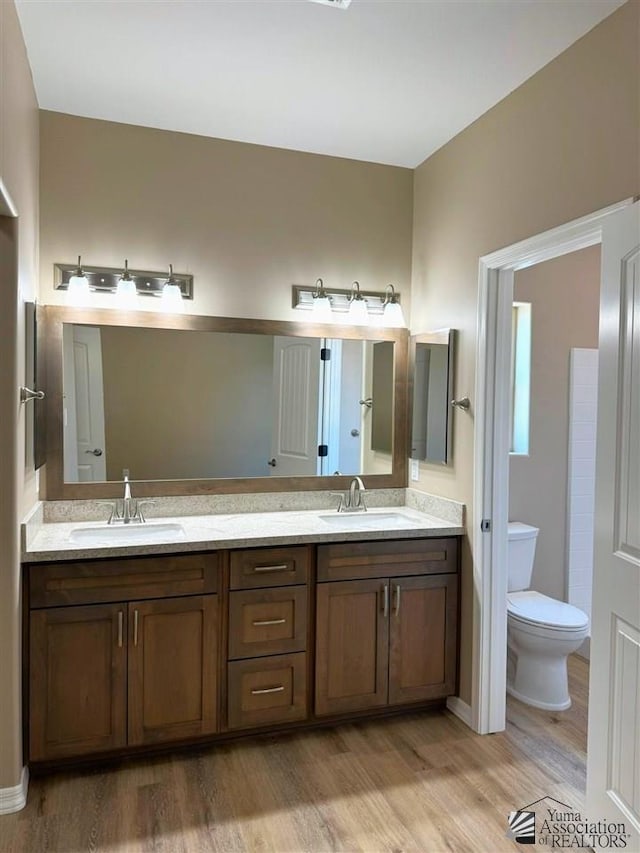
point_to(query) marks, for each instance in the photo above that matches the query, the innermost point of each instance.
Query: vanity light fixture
(171, 292)
(78, 284)
(357, 315)
(126, 287)
(321, 303)
(392, 315)
(110, 279)
(353, 306)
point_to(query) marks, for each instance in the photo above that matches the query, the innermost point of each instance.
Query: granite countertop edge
(218, 532)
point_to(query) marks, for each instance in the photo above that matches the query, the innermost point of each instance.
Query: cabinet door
(78, 672)
(352, 646)
(422, 653)
(173, 668)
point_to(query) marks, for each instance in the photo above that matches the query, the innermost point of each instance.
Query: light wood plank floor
(423, 783)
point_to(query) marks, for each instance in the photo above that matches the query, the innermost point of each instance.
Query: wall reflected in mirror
(179, 405)
(431, 423)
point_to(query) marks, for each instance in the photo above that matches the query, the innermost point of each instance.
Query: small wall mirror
(432, 375)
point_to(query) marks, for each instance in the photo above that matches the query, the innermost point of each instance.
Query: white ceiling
(388, 81)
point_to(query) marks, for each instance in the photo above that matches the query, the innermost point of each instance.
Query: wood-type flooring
(423, 782)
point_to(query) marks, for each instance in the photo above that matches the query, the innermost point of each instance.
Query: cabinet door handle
(258, 691)
(135, 627)
(120, 627)
(397, 599)
(283, 568)
(260, 622)
(385, 600)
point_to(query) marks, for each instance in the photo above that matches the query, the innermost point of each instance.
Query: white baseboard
(460, 709)
(14, 799)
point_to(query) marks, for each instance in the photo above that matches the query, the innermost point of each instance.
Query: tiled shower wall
(583, 411)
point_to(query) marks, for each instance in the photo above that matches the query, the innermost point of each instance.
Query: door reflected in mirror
(174, 404)
(431, 423)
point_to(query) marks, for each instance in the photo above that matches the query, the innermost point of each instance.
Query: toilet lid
(531, 606)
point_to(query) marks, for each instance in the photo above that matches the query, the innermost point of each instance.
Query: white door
(296, 385)
(84, 405)
(613, 755)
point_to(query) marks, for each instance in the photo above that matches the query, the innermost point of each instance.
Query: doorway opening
(492, 442)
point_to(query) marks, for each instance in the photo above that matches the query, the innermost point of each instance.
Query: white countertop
(240, 530)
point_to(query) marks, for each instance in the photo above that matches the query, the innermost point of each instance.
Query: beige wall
(246, 220)
(564, 294)
(19, 175)
(562, 145)
(186, 405)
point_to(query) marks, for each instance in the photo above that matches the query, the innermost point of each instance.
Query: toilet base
(536, 703)
(537, 670)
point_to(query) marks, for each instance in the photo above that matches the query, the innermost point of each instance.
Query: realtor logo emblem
(522, 827)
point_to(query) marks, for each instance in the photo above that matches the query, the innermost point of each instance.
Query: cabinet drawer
(267, 691)
(355, 560)
(267, 621)
(260, 567)
(97, 581)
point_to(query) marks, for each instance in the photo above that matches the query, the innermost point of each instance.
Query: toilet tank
(520, 553)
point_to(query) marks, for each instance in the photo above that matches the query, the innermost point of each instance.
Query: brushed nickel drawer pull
(135, 627)
(397, 597)
(260, 622)
(258, 691)
(283, 568)
(120, 625)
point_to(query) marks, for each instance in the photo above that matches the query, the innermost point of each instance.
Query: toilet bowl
(541, 631)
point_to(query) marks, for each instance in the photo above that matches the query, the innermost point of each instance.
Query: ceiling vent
(339, 4)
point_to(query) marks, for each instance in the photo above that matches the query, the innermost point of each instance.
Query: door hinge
(323, 450)
(325, 354)
(485, 525)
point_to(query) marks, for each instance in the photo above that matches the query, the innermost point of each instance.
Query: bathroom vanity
(124, 653)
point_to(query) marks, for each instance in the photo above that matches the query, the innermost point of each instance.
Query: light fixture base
(106, 279)
(302, 298)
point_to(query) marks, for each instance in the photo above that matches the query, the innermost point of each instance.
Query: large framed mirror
(431, 394)
(194, 405)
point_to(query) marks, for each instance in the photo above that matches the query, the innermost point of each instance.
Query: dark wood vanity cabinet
(124, 673)
(391, 638)
(268, 635)
(134, 652)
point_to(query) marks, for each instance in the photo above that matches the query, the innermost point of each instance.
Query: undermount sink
(367, 520)
(127, 533)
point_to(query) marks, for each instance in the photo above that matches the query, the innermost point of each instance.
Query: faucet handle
(341, 503)
(113, 506)
(140, 504)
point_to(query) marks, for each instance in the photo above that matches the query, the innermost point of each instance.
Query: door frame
(491, 451)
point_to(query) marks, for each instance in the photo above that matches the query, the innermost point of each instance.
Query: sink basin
(366, 520)
(127, 534)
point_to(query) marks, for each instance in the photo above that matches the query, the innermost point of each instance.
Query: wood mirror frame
(57, 489)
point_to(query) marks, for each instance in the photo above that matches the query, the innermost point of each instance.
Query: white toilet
(541, 631)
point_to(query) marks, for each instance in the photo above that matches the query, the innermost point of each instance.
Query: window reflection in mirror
(432, 394)
(173, 404)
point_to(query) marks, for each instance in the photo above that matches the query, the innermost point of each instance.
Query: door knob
(96, 452)
(272, 463)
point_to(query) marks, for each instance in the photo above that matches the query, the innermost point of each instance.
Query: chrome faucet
(353, 499)
(129, 506)
(127, 510)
